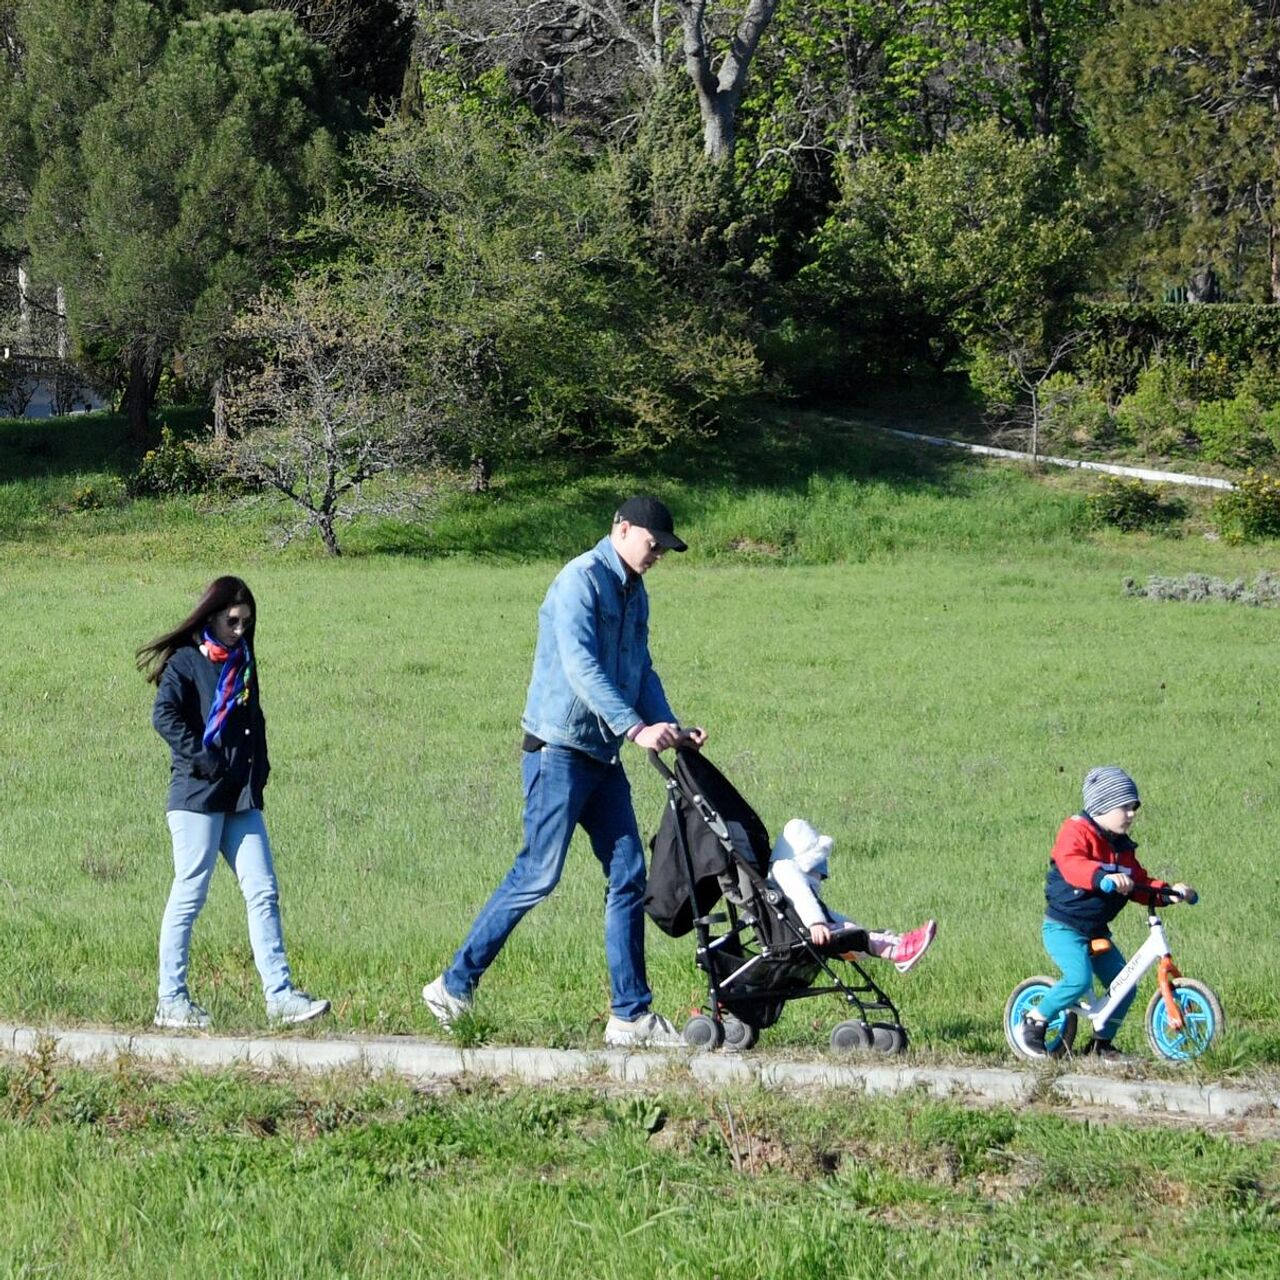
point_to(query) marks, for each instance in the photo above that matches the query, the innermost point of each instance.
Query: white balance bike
(1183, 1017)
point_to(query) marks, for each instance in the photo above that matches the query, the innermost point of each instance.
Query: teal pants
(1069, 950)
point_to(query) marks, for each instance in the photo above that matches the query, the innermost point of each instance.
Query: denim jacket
(592, 676)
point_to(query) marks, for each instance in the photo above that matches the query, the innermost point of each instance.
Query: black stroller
(712, 846)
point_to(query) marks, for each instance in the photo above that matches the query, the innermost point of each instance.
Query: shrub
(1251, 510)
(1157, 415)
(1262, 381)
(1232, 432)
(1211, 379)
(1074, 412)
(1128, 505)
(1125, 337)
(174, 466)
(87, 498)
(1197, 587)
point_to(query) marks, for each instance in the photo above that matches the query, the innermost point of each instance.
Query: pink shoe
(911, 946)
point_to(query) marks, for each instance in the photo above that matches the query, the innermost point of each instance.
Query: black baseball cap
(653, 515)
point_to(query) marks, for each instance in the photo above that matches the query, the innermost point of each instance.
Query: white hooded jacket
(797, 865)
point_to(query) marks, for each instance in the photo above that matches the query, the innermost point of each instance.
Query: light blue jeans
(564, 789)
(1069, 950)
(242, 840)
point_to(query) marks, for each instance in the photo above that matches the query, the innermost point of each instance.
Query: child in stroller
(798, 865)
(711, 848)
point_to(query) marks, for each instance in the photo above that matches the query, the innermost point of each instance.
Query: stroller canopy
(718, 826)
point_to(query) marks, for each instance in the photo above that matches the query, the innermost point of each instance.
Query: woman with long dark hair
(207, 710)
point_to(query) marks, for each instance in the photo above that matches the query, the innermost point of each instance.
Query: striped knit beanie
(1107, 788)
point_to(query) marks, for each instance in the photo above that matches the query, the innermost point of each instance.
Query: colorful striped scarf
(234, 683)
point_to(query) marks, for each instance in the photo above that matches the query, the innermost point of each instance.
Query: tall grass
(142, 1176)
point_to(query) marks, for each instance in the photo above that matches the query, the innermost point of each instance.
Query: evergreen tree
(169, 199)
(1184, 96)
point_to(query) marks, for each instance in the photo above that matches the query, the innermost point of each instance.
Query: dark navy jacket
(217, 779)
(1082, 854)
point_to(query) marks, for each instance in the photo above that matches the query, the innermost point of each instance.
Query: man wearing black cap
(593, 688)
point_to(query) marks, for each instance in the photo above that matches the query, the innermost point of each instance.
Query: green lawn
(922, 654)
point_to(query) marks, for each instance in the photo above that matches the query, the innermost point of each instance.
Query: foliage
(983, 236)
(530, 310)
(173, 466)
(1129, 505)
(1199, 587)
(194, 152)
(1157, 414)
(1181, 94)
(1075, 413)
(1250, 511)
(330, 414)
(1234, 432)
(1124, 338)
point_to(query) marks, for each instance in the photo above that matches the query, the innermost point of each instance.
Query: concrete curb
(423, 1060)
(1078, 464)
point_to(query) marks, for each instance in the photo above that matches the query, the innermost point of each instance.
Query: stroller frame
(736, 1013)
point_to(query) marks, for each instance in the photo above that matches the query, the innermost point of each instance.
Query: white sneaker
(295, 1006)
(182, 1013)
(443, 1003)
(648, 1031)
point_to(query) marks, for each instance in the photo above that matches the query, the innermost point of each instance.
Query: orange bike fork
(1164, 979)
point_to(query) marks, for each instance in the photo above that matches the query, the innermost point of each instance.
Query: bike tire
(1203, 1016)
(1061, 1033)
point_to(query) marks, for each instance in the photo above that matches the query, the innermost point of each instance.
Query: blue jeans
(242, 840)
(564, 789)
(1069, 950)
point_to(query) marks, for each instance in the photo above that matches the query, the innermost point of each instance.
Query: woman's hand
(208, 763)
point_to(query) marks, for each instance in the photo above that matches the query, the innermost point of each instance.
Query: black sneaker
(1105, 1051)
(1030, 1036)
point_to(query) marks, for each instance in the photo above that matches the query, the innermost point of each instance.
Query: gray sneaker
(295, 1006)
(648, 1031)
(179, 1013)
(443, 1003)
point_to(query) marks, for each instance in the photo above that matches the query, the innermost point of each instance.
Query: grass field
(143, 1175)
(922, 654)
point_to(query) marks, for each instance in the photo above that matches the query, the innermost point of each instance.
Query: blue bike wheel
(1202, 1020)
(1061, 1032)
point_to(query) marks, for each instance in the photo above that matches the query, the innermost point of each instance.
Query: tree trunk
(481, 473)
(324, 522)
(220, 408)
(140, 395)
(1273, 256)
(720, 92)
(1038, 68)
(718, 134)
(24, 312)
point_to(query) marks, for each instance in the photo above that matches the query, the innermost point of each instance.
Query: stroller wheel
(703, 1032)
(739, 1035)
(851, 1037)
(888, 1038)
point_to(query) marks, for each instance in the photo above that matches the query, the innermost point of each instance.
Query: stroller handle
(658, 763)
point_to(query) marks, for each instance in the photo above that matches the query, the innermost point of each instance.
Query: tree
(1184, 97)
(330, 414)
(528, 309)
(983, 236)
(177, 197)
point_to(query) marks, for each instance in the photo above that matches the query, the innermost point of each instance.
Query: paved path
(423, 1059)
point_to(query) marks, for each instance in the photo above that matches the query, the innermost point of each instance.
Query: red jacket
(1082, 854)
